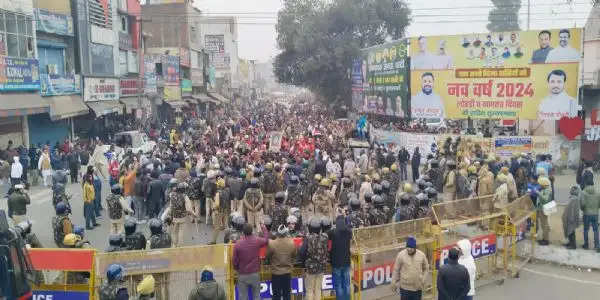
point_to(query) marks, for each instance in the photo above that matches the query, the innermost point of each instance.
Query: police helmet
(242, 173)
(232, 216)
(173, 182)
(116, 189)
(61, 208)
(71, 239)
(346, 182)
(314, 225)
(292, 219)
(435, 163)
(377, 189)
(269, 166)
(318, 177)
(421, 196)
(130, 226)
(239, 221)
(114, 272)
(325, 224)
(25, 227)
(451, 164)
(354, 204)
(405, 199)
(421, 184)
(254, 183)
(426, 178)
(279, 197)
(155, 226)
(378, 201)
(296, 212)
(431, 192)
(115, 240)
(368, 197)
(385, 185)
(302, 177)
(351, 195)
(267, 221)
(257, 172)
(428, 185)
(57, 188)
(79, 230)
(228, 171)
(294, 179)
(182, 186)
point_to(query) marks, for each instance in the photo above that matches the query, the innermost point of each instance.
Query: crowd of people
(264, 174)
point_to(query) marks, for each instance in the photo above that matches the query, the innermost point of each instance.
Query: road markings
(561, 277)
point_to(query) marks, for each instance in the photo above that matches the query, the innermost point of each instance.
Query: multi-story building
(19, 73)
(175, 37)
(220, 36)
(60, 84)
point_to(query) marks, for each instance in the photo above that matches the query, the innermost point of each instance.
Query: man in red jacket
(246, 261)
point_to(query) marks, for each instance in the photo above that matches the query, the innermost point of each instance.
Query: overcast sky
(257, 19)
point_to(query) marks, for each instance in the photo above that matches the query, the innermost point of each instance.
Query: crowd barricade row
(63, 273)
(494, 234)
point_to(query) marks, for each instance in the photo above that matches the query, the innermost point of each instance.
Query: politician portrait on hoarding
(558, 103)
(424, 60)
(427, 104)
(564, 52)
(539, 55)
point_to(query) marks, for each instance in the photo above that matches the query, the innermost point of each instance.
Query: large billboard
(380, 80)
(505, 75)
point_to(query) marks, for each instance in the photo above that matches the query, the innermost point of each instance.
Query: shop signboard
(130, 87)
(186, 86)
(150, 73)
(54, 85)
(215, 46)
(184, 57)
(197, 77)
(171, 69)
(172, 93)
(19, 74)
(380, 80)
(99, 89)
(53, 23)
(506, 146)
(502, 75)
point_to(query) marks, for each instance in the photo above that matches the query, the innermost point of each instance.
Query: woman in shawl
(570, 217)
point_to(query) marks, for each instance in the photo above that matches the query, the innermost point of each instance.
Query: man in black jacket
(340, 257)
(453, 282)
(403, 157)
(415, 163)
(156, 195)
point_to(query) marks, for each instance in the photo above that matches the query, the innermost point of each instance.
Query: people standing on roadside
(246, 261)
(415, 163)
(341, 236)
(88, 203)
(590, 203)
(281, 253)
(16, 171)
(544, 197)
(313, 255)
(113, 168)
(466, 259)
(453, 280)
(570, 217)
(208, 288)
(403, 157)
(117, 206)
(410, 269)
(45, 167)
(18, 200)
(129, 183)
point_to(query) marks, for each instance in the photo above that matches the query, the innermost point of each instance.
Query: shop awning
(203, 98)
(62, 107)
(132, 103)
(105, 107)
(219, 98)
(22, 104)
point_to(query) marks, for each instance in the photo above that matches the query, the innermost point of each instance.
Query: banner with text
(506, 75)
(380, 80)
(19, 74)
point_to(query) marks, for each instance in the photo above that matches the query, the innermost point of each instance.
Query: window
(122, 62)
(158, 69)
(132, 62)
(97, 14)
(123, 24)
(16, 32)
(51, 61)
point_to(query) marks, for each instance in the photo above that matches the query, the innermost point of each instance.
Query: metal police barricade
(63, 273)
(484, 225)
(176, 270)
(298, 287)
(521, 220)
(374, 251)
